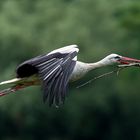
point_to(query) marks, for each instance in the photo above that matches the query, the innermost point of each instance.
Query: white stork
(55, 70)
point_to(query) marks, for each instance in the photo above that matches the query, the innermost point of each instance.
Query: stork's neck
(82, 68)
(91, 66)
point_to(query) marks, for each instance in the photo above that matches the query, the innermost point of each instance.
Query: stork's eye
(117, 57)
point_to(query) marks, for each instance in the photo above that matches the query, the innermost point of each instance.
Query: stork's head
(118, 59)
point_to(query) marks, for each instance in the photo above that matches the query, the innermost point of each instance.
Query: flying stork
(55, 70)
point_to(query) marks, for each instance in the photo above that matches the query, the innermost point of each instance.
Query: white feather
(67, 49)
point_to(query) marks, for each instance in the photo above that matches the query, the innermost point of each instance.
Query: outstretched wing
(54, 70)
(55, 76)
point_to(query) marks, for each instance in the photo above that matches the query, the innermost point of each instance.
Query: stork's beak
(127, 60)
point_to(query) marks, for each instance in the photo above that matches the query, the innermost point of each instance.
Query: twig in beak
(117, 71)
(98, 77)
(129, 65)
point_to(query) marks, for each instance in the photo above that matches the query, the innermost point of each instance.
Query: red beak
(127, 60)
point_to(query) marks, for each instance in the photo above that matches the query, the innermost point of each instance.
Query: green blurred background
(107, 109)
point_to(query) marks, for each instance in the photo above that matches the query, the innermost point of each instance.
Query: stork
(55, 70)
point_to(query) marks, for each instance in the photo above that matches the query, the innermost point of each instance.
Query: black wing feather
(54, 71)
(29, 67)
(57, 80)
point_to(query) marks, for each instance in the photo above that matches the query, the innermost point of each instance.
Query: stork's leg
(15, 88)
(10, 90)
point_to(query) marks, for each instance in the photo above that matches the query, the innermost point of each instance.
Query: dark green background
(107, 109)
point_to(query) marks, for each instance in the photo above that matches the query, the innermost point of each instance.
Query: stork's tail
(12, 81)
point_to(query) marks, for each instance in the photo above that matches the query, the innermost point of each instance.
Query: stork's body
(55, 70)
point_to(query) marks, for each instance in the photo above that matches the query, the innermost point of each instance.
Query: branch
(129, 65)
(117, 71)
(98, 77)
